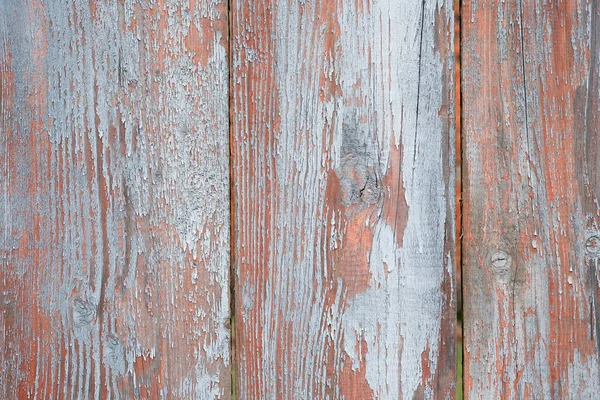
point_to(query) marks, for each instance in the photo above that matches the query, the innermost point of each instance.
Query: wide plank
(531, 117)
(114, 189)
(342, 137)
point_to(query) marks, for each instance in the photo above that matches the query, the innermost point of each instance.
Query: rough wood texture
(114, 199)
(343, 152)
(531, 114)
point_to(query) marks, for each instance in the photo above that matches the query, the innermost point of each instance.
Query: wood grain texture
(114, 200)
(343, 152)
(531, 115)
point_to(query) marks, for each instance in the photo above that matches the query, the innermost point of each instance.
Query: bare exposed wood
(343, 152)
(531, 109)
(114, 200)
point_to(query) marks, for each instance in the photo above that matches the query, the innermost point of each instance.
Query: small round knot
(499, 259)
(84, 311)
(500, 262)
(592, 245)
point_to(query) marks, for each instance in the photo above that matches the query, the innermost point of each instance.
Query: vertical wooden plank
(114, 199)
(343, 151)
(531, 107)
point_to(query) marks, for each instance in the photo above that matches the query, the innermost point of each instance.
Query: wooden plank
(342, 159)
(114, 200)
(531, 115)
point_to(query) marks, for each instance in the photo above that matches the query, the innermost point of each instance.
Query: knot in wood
(358, 172)
(500, 261)
(592, 244)
(84, 311)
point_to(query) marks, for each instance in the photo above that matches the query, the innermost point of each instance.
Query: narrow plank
(342, 159)
(531, 109)
(114, 200)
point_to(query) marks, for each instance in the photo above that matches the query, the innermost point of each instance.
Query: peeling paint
(530, 285)
(114, 151)
(342, 152)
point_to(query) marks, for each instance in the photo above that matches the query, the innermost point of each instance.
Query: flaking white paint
(131, 193)
(298, 138)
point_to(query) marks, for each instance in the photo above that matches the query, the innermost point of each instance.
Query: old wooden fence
(258, 199)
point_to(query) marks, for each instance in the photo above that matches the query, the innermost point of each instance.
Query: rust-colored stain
(534, 335)
(292, 199)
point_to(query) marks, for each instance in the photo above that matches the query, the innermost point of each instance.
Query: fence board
(531, 109)
(114, 200)
(343, 151)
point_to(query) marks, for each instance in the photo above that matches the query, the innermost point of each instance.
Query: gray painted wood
(114, 188)
(531, 115)
(343, 174)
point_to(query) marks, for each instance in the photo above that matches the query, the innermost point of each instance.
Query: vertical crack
(418, 89)
(232, 272)
(523, 66)
(459, 206)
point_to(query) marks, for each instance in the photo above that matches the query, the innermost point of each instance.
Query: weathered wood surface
(531, 115)
(114, 200)
(342, 156)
